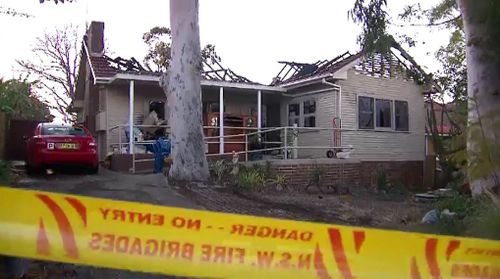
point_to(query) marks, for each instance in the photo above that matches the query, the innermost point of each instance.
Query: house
(374, 99)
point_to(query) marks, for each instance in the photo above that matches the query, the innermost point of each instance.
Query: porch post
(221, 120)
(131, 118)
(259, 111)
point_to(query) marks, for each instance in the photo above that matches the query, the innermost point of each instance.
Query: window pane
(365, 108)
(63, 131)
(310, 121)
(383, 113)
(293, 110)
(309, 107)
(401, 115)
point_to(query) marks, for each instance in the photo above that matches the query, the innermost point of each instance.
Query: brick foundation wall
(299, 175)
(409, 173)
(350, 173)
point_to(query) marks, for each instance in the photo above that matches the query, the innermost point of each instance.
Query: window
(302, 114)
(365, 111)
(383, 113)
(379, 113)
(63, 131)
(293, 114)
(309, 113)
(401, 115)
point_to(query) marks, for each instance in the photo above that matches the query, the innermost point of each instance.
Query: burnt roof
(293, 71)
(105, 66)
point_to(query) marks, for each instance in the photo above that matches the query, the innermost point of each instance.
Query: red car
(58, 144)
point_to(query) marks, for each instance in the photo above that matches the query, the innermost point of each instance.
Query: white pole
(131, 118)
(221, 121)
(259, 111)
(295, 151)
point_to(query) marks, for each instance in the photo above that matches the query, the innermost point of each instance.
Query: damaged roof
(293, 71)
(104, 66)
(396, 62)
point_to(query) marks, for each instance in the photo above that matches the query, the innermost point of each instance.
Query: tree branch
(430, 24)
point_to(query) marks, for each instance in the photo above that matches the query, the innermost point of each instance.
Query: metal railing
(287, 146)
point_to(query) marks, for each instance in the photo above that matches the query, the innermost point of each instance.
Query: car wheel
(330, 154)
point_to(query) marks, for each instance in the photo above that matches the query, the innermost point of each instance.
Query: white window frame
(294, 117)
(304, 115)
(373, 113)
(408, 115)
(393, 114)
(391, 106)
(301, 117)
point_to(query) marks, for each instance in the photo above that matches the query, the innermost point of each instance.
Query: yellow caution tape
(158, 239)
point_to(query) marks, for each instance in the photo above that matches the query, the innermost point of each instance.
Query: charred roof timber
(211, 71)
(219, 73)
(126, 65)
(292, 71)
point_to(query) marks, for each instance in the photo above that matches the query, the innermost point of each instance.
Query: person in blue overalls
(162, 149)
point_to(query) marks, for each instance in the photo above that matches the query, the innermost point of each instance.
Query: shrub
(317, 175)
(250, 179)
(280, 180)
(4, 173)
(382, 182)
(218, 170)
(460, 204)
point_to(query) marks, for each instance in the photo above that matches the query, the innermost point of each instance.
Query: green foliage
(374, 19)
(17, 101)
(5, 178)
(460, 204)
(219, 170)
(382, 182)
(250, 179)
(159, 41)
(473, 218)
(280, 180)
(317, 176)
(486, 224)
(268, 171)
(388, 190)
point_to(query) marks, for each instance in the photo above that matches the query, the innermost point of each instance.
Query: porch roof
(155, 79)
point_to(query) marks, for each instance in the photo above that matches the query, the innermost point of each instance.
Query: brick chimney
(95, 38)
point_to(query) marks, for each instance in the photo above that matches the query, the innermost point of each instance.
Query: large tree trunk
(181, 84)
(483, 73)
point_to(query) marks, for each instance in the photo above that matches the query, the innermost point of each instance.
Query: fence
(286, 148)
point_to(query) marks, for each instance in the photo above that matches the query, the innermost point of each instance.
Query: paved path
(147, 188)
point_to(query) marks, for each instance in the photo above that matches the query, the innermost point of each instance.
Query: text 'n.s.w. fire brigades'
(195, 243)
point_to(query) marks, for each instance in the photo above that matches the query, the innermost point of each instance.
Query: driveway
(147, 188)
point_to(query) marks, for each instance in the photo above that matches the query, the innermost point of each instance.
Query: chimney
(95, 38)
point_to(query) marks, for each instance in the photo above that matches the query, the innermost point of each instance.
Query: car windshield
(63, 130)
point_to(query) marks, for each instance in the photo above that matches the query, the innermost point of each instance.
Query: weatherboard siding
(369, 145)
(387, 145)
(326, 103)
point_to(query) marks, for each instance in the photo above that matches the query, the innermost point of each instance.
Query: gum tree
(481, 19)
(181, 83)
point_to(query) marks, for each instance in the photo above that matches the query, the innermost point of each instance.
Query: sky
(250, 36)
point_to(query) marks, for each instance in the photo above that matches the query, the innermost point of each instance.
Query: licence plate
(67, 146)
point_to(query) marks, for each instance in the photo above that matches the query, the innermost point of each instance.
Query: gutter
(304, 82)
